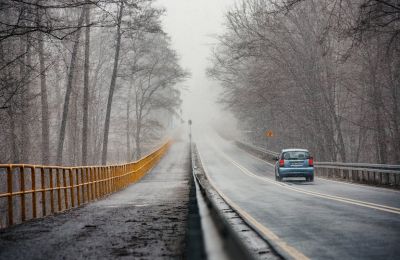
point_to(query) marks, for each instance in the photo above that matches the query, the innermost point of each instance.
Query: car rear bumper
(296, 172)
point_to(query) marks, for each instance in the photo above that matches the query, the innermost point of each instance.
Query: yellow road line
(271, 236)
(312, 193)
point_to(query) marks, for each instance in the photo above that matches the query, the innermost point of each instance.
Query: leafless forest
(322, 74)
(84, 81)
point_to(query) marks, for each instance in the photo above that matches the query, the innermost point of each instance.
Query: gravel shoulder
(147, 220)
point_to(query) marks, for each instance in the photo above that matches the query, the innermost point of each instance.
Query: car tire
(277, 178)
(311, 178)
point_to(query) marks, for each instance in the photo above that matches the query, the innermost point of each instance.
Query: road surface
(320, 220)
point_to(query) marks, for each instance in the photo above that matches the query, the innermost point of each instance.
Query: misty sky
(192, 25)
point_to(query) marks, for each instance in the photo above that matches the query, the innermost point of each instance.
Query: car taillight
(281, 163)
(311, 162)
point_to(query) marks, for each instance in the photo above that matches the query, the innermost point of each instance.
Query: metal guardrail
(233, 246)
(374, 174)
(55, 188)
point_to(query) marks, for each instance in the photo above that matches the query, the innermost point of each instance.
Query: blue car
(294, 163)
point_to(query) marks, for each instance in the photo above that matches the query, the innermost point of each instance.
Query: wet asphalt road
(317, 219)
(147, 220)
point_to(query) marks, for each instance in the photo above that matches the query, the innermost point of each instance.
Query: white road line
(324, 179)
(312, 193)
(271, 236)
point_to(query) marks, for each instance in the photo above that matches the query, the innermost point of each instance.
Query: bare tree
(301, 62)
(69, 89)
(118, 36)
(86, 87)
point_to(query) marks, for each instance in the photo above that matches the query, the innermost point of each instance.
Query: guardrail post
(10, 196)
(369, 178)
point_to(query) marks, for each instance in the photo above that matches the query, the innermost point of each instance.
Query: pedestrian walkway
(147, 220)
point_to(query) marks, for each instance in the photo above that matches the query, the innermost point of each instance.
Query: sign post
(268, 134)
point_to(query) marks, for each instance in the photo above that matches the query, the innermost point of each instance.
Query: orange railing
(34, 191)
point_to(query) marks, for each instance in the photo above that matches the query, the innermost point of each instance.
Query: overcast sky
(192, 25)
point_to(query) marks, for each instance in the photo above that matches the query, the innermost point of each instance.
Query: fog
(193, 27)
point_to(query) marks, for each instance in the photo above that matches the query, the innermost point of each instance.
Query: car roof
(294, 149)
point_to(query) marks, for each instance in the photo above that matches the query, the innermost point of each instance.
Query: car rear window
(296, 155)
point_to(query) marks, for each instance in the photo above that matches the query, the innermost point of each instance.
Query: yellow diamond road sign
(269, 133)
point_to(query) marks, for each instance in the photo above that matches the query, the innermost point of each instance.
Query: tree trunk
(85, 136)
(137, 143)
(112, 85)
(128, 128)
(68, 91)
(13, 135)
(44, 103)
(23, 118)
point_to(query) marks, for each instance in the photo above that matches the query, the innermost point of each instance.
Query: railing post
(94, 182)
(65, 188)
(109, 175)
(10, 196)
(58, 189)
(42, 180)
(83, 182)
(91, 197)
(88, 185)
(51, 190)
(97, 183)
(22, 186)
(33, 179)
(105, 173)
(78, 195)
(102, 184)
(71, 183)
